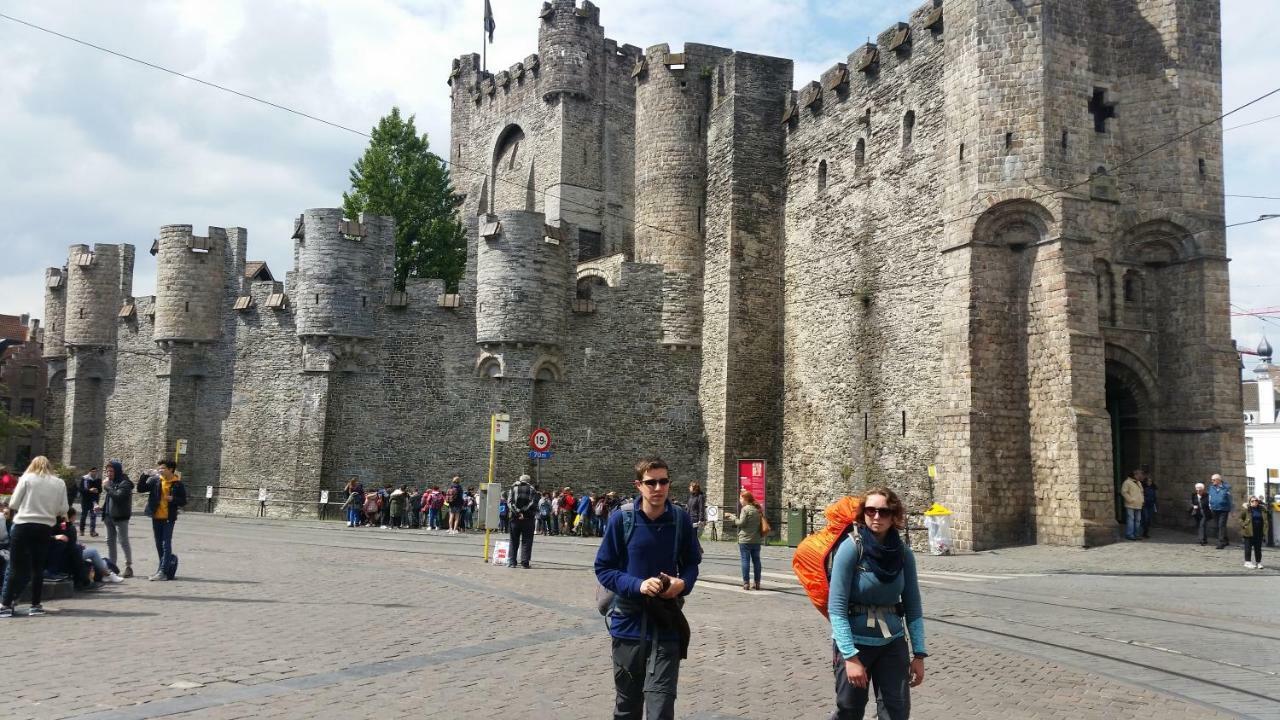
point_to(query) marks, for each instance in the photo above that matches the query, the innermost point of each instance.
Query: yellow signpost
(494, 419)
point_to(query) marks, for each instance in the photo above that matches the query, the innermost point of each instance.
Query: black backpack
(171, 567)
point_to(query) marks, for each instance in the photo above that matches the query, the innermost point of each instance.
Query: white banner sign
(262, 494)
(501, 550)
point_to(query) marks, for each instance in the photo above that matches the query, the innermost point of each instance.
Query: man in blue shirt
(1220, 504)
(649, 559)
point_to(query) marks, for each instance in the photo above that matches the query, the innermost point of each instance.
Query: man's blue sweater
(651, 551)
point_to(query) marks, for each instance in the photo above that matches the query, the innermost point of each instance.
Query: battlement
(55, 312)
(343, 270)
(876, 68)
(97, 281)
(190, 278)
(524, 276)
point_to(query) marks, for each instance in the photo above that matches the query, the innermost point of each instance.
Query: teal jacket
(846, 603)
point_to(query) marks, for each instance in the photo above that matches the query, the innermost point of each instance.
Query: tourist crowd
(455, 508)
(45, 517)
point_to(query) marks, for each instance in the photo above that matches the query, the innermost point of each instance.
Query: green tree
(13, 425)
(399, 176)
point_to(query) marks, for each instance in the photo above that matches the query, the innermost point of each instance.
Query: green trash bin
(796, 529)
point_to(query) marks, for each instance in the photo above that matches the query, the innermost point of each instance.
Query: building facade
(22, 389)
(981, 260)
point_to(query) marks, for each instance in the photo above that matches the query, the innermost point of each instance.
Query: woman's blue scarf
(882, 558)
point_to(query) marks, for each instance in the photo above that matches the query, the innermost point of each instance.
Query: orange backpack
(812, 560)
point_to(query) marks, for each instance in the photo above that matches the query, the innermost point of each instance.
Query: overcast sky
(98, 149)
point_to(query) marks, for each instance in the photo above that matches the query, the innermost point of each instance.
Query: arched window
(1133, 286)
(860, 153)
(908, 127)
(822, 175)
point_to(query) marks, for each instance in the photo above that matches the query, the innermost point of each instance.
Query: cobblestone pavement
(314, 620)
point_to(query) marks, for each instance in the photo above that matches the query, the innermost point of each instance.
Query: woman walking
(354, 501)
(750, 522)
(872, 572)
(1255, 525)
(38, 499)
(117, 509)
(697, 507)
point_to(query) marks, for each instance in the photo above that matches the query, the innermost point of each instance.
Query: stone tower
(1077, 336)
(197, 281)
(673, 98)
(97, 282)
(55, 356)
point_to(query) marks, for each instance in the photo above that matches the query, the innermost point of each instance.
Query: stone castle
(963, 262)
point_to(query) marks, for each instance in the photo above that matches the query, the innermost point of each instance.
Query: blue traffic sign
(539, 454)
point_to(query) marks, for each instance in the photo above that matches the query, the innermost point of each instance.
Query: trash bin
(937, 520)
(795, 526)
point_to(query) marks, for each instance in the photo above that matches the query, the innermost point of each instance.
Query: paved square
(308, 619)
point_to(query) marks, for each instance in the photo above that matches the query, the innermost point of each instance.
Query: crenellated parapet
(525, 279)
(190, 279)
(343, 272)
(98, 281)
(55, 312)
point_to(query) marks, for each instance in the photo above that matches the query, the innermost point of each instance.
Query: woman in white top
(37, 502)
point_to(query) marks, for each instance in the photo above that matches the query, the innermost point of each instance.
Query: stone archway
(1133, 422)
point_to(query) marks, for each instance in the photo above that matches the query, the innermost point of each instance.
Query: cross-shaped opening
(1101, 109)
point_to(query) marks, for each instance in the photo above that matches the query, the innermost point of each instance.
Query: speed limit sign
(540, 439)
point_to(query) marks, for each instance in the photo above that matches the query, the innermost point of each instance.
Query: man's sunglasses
(655, 482)
(877, 512)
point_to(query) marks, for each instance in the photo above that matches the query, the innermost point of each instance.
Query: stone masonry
(943, 253)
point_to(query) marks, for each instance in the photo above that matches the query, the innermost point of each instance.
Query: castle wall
(936, 253)
(135, 426)
(744, 255)
(862, 238)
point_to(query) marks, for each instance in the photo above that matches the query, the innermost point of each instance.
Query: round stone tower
(93, 295)
(523, 281)
(55, 312)
(568, 39)
(342, 270)
(672, 100)
(189, 284)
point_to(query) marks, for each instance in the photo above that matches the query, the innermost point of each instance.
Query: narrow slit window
(1065, 139)
(908, 127)
(822, 175)
(961, 152)
(860, 153)
(1008, 141)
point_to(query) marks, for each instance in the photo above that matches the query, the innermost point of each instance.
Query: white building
(1261, 431)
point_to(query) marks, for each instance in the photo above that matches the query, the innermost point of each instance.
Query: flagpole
(484, 37)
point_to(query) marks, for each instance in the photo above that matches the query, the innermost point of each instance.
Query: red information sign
(540, 439)
(751, 477)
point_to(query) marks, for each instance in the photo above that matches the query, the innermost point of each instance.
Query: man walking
(1220, 503)
(649, 561)
(90, 495)
(522, 504)
(1131, 492)
(166, 493)
(1201, 512)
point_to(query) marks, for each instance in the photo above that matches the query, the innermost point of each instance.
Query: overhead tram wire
(548, 195)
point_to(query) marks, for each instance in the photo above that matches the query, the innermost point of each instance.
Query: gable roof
(257, 270)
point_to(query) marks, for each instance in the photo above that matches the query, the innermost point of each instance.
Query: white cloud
(98, 149)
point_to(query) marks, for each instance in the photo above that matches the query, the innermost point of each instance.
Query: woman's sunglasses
(877, 512)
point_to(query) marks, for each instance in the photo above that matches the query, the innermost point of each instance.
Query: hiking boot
(746, 586)
(756, 586)
(128, 571)
(35, 611)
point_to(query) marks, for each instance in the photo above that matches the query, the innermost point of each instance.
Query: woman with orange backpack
(875, 611)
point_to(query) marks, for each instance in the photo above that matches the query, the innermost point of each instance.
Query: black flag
(489, 25)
